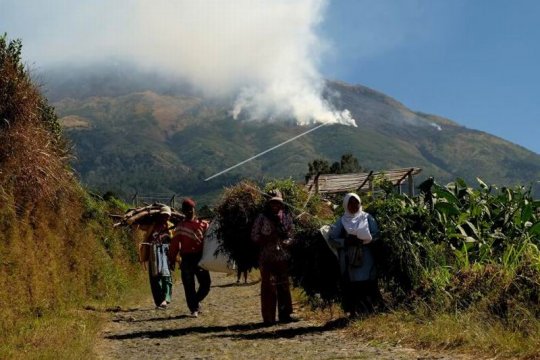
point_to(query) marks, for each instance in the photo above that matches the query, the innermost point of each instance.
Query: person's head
(188, 208)
(352, 203)
(165, 213)
(275, 203)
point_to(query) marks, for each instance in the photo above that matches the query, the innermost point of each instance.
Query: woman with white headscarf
(352, 236)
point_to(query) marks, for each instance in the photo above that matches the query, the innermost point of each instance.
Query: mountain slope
(170, 141)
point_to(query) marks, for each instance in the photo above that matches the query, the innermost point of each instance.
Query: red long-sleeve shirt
(188, 238)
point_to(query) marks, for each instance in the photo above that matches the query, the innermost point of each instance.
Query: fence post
(411, 184)
(134, 199)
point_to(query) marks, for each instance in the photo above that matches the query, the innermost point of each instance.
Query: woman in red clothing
(188, 239)
(272, 231)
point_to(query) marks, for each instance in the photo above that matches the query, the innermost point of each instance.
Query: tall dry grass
(57, 247)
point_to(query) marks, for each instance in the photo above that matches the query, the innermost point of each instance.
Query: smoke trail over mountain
(264, 52)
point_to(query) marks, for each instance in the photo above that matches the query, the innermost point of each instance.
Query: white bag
(325, 232)
(360, 228)
(210, 260)
(363, 230)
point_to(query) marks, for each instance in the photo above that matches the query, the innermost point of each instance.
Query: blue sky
(476, 62)
(473, 61)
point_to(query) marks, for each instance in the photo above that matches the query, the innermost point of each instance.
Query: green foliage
(15, 82)
(455, 245)
(347, 164)
(318, 166)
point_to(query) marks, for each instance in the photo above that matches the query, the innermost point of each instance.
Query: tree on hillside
(318, 166)
(347, 164)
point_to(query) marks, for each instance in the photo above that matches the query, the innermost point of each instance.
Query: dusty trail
(230, 328)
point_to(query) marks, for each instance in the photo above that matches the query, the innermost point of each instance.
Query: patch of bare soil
(230, 327)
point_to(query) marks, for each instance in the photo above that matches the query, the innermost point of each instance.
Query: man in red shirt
(188, 239)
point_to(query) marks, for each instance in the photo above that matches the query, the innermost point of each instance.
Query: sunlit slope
(150, 141)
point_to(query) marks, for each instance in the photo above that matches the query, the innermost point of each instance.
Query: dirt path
(230, 328)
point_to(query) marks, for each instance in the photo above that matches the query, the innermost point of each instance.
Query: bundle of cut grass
(237, 211)
(314, 268)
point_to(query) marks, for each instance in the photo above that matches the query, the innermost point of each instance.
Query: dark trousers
(275, 290)
(190, 270)
(161, 287)
(361, 297)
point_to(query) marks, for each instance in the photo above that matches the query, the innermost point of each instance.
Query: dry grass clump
(33, 153)
(461, 335)
(58, 249)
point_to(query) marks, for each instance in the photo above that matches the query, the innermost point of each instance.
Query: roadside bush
(459, 248)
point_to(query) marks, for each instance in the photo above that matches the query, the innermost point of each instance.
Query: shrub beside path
(229, 327)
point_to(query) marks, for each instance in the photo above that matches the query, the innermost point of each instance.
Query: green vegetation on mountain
(170, 141)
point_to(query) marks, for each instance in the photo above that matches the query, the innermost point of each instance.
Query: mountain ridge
(160, 139)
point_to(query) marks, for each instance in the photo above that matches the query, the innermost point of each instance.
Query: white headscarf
(355, 223)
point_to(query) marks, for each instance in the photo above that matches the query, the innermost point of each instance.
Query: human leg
(362, 298)
(188, 268)
(283, 291)
(203, 277)
(167, 284)
(347, 296)
(268, 296)
(374, 295)
(155, 287)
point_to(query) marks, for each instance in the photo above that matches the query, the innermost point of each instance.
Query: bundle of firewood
(145, 215)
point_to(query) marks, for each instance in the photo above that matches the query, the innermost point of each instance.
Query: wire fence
(147, 199)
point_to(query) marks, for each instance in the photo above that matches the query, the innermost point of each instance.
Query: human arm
(335, 237)
(256, 235)
(174, 247)
(374, 228)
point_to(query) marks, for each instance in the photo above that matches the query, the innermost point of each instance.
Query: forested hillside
(136, 132)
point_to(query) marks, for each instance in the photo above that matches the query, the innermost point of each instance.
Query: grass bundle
(238, 209)
(314, 268)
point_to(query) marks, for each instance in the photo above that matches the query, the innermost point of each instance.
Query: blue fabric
(159, 263)
(367, 270)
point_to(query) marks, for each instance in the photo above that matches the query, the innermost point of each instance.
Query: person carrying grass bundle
(352, 236)
(188, 239)
(272, 232)
(158, 238)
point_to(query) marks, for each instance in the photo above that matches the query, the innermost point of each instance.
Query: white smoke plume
(265, 52)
